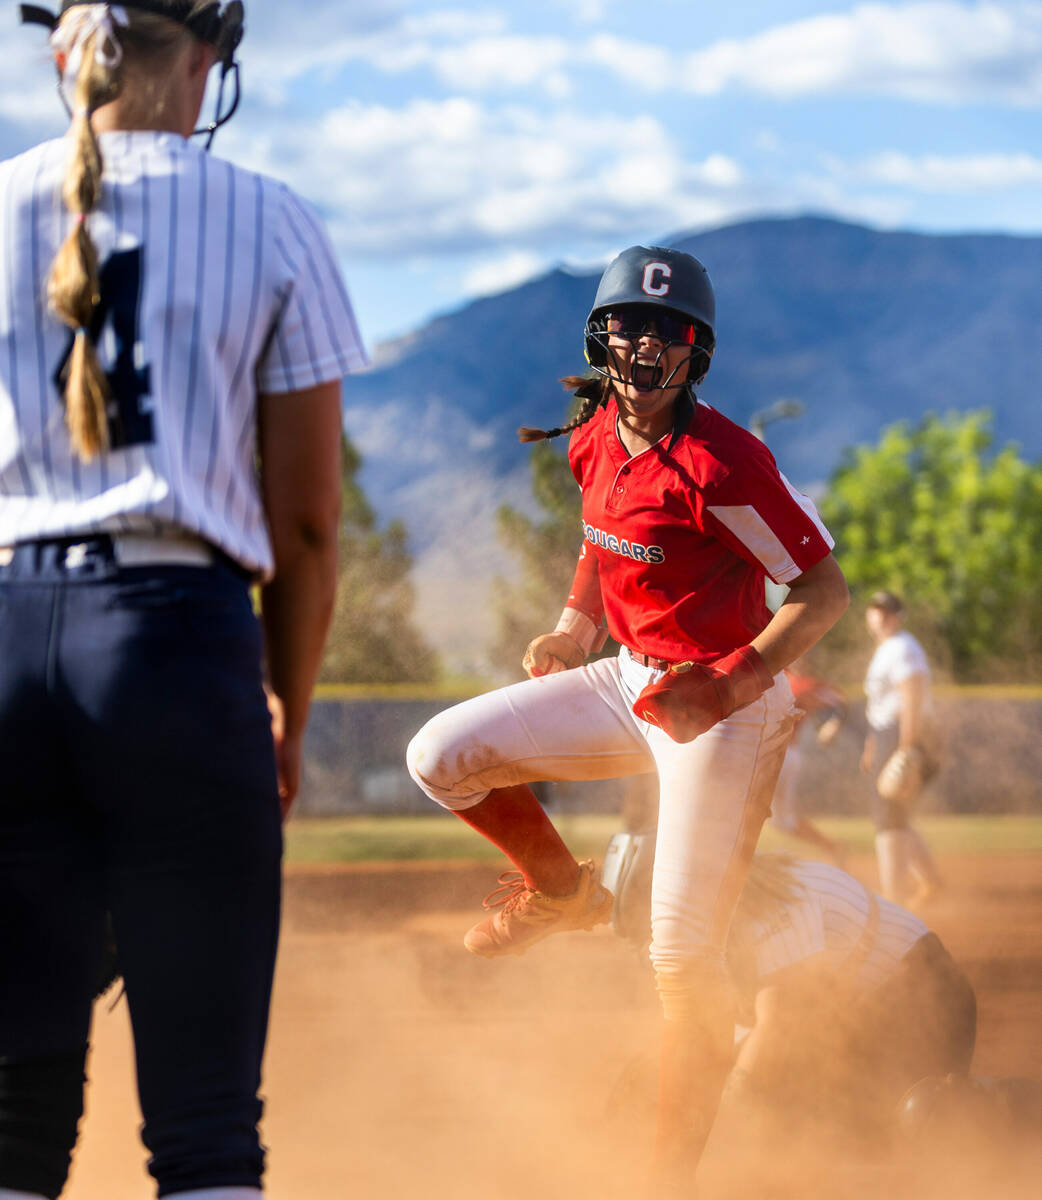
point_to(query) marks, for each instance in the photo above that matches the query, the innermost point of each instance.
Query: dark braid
(591, 392)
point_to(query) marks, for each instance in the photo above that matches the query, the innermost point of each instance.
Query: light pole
(787, 406)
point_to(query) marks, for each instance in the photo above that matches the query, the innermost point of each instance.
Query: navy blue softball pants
(137, 777)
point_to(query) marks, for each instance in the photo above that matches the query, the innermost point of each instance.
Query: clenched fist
(552, 652)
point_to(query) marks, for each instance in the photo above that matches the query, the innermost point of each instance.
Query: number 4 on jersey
(130, 409)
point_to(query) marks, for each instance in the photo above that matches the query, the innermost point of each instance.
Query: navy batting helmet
(669, 283)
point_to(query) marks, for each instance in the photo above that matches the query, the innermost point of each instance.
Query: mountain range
(862, 327)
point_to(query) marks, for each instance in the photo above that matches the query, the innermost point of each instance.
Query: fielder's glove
(692, 697)
(903, 775)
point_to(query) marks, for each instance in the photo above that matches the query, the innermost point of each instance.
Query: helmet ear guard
(221, 27)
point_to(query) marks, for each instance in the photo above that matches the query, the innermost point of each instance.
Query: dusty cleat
(525, 916)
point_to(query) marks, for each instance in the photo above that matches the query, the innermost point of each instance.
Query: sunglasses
(637, 320)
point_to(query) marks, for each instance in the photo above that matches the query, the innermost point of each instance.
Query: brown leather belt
(648, 660)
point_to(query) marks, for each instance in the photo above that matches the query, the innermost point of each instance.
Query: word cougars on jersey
(634, 550)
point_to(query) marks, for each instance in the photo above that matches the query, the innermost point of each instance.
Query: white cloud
(500, 274)
(503, 62)
(939, 174)
(587, 12)
(450, 176)
(652, 68)
(935, 50)
(938, 51)
(29, 104)
(394, 43)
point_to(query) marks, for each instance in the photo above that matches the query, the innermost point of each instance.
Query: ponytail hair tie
(78, 25)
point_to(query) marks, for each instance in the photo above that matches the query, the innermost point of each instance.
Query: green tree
(547, 549)
(372, 639)
(935, 513)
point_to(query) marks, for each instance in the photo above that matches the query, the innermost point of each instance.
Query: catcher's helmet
(655, 277)
(221, 25)
(964, 1106)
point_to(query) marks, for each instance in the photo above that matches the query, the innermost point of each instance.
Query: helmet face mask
(659, 290)
(631, 323)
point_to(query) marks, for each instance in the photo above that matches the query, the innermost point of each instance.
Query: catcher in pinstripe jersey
(846, 999)
(852, 999)
(684, 514)
(173, 335)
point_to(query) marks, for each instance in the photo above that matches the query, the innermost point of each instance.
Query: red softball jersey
(677, 541)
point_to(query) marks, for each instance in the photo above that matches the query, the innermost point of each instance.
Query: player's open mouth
(645, 377)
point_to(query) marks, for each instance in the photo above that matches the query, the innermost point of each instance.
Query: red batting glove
(692, 697)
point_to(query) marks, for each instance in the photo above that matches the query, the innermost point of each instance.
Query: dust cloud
(399, 1065)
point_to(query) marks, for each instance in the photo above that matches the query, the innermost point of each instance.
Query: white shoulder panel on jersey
(757, 536)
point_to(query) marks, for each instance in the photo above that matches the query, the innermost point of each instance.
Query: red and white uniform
(678, 542)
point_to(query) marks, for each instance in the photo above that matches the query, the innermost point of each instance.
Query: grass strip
(442, 836)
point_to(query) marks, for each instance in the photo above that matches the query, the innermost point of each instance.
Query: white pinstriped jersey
(826, 920)
(217, 284)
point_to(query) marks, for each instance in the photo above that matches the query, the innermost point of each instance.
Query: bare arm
(868, 755)
(913, 697)
(788, 1005)
(816, 601)
(300, 436)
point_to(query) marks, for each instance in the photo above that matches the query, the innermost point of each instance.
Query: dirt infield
(398, 1065)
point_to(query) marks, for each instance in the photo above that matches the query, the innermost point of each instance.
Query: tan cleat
(526, 916)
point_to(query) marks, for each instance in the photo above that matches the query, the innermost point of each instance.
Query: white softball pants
(714, 792)
(785, 808)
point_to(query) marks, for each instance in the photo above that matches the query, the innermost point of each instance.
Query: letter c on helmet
(656, 279)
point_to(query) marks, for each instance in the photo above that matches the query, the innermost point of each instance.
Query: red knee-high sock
(513, 819)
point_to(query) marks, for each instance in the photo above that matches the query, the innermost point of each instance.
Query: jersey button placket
(619, 488)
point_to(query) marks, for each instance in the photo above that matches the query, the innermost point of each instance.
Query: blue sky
(456, 148)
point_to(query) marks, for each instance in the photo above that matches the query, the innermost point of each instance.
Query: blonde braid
(73, 284)
(593, 394)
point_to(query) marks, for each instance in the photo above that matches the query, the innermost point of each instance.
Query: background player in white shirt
(684, 515)
(902, 746)
(173, 334)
